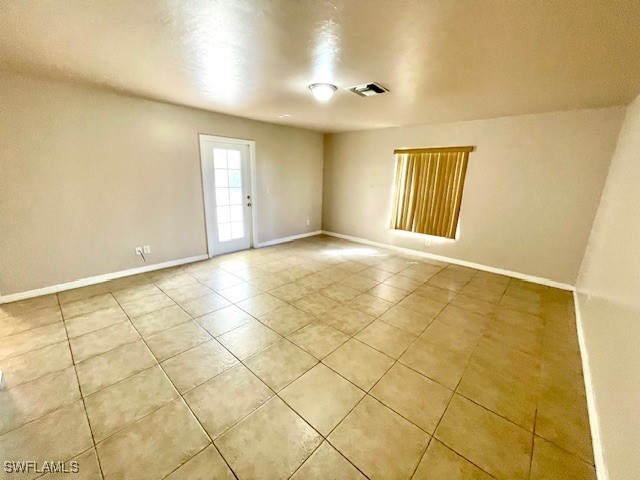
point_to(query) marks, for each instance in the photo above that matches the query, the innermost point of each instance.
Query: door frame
(204, 171)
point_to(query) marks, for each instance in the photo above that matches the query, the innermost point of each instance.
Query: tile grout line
(195, 319)
(275, 394)
(532, 432)
(415, 469)
(65, 341)
(433, 436)
(470, 357)
(84, 406)
(324, 438)
(82, 396)
(533, 438)
(456, 392)
(367, 392)
(31, 329)
(177, 391)
(350, 336)
(500, 415)
(241, 362)
(535, 416)
(375, 318)
(194, 456)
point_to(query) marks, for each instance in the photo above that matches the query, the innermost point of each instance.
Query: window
(428, 190)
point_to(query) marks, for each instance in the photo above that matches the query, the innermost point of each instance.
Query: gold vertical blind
(428, 190)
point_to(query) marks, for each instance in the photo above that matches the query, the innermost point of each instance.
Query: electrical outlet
(308, 223)
(139, 251)
(427, 243)
(147, 249)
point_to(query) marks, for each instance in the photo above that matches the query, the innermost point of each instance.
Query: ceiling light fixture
(322, 91)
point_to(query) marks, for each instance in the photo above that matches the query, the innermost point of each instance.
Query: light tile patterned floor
(319, 358)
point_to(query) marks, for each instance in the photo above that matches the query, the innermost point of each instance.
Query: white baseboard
(84, 282)
(594, 422)
(455, 261)
(287, 239)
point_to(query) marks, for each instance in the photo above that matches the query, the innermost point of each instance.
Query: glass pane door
(229, 194)
(226, 184)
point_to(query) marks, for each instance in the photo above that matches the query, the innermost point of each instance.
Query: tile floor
(319, 358)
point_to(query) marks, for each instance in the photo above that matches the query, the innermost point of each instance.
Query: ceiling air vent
(368, 89)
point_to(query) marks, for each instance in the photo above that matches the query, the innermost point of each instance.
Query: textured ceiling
(443, 60)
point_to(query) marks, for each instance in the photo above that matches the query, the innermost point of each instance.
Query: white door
(226, 180)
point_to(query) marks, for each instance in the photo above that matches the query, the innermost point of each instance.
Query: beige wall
(87, 175)
(532, 188)
(609, 305)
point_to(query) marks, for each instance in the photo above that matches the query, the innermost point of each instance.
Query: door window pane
(222, 179)
(219, 158)
(222, 196)
(235, 179)
(233, 157)
(235, 196)
(223, 215)
(237, 230)
(224, 232)
(236, 213)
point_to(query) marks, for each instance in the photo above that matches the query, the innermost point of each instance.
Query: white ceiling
(443, 60)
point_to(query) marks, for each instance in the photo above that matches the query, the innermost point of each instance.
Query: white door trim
(254, 183)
